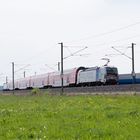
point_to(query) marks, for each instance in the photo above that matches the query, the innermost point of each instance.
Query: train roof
(109, 66)
(96, 67)
(51, 73)
(68, 70)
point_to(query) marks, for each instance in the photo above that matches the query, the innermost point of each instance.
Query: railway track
(108, 89)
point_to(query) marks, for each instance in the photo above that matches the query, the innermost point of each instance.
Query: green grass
(70, 117)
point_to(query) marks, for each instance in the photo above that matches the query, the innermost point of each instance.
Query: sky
(30, 31)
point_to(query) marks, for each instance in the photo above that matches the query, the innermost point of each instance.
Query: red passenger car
(52, 79)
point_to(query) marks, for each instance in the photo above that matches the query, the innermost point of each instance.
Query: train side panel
(87, 76)
(37, 81)
(24, 83)
(125, 79)
(137, 78)
(69, 77)
(10, 86)
(51, 79)
(73, 76)
(57, 80)
(46, 80)
(5, 86)
(128, 79)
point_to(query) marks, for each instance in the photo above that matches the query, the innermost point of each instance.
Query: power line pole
(6, 79)
(24, 74)
(133, 63)
(35, 73)
(62, 88)
(13, 77)
(58, 66)
(132, 59)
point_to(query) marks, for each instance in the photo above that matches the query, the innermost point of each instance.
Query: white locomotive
(98, 76)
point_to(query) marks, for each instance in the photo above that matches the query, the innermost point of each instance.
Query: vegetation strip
(69, 117)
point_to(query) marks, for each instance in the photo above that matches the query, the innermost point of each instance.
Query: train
(80, 76)
(128, 79)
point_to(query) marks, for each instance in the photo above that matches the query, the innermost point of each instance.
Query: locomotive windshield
(113, 71)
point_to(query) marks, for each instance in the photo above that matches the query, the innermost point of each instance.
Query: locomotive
(98, 76)
(80, 76)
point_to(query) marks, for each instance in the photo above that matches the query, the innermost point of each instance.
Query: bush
(35, 91)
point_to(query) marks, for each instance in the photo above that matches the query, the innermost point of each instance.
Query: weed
(35, 91)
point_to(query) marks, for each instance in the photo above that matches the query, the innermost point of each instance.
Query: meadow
(80, 117)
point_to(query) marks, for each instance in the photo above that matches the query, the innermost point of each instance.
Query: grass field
(70, 117)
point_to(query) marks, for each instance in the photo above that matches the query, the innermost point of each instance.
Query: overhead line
(116, 41)
(121, 53)
(105, 33)
(38, 54)
(69, 50)
(50, 67)
(75, 53)
(22, 68)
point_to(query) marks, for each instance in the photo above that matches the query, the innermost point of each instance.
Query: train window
(111, 70)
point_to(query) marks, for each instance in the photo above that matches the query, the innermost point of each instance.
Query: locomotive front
(111, 75)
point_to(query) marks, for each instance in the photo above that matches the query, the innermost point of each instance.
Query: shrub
(35, 91)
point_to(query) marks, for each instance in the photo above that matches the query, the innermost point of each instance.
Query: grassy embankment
(70, 117)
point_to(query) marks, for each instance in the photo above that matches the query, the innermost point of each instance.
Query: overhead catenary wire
(71, 53)
(72, 46)
(50, 67)
(83, 55)
(111, 55)
(75, 53)
(39, 53)
(105, 33)
(114, 41)
(69, 50)
(22, 68)
(121, 53)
